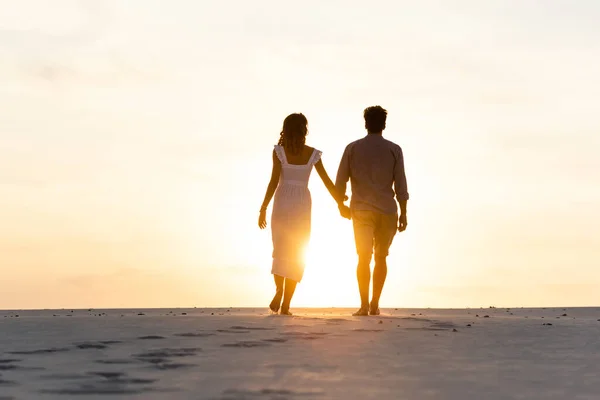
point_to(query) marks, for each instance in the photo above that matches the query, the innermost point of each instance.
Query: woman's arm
(337, 196)
(275, 172)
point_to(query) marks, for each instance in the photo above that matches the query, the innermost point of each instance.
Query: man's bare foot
(285, 311)
(362, 312)
(374, 309)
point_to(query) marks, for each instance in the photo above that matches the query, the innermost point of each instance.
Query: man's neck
(380, 133)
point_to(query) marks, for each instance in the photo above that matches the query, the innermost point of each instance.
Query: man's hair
(375, 117)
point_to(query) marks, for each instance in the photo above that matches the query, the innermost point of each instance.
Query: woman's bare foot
(276, 302)
(362, 312)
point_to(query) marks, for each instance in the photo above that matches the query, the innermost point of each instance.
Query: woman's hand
(340, 198)
(262, 219)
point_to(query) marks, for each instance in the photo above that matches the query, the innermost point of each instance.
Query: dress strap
(280, 152)
(315, 157)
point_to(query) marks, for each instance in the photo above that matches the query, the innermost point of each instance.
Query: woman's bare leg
(290, 288)
(276, 302)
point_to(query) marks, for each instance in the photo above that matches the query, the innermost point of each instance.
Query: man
(375, 167)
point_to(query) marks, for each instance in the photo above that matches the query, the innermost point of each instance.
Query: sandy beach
(493, 353)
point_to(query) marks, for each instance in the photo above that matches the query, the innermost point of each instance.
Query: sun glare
(329, 279)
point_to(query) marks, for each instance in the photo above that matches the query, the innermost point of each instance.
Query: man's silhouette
(375, 167)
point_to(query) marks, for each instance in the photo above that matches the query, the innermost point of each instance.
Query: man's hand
(344, 211)
(262, 219)
(402, 223)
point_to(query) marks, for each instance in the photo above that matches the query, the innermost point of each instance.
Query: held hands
(402, 223)
(344, 211)
(262, 219)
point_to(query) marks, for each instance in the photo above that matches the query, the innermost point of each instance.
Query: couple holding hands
(375, 168)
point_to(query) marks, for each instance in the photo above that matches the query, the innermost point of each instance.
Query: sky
(136, 140)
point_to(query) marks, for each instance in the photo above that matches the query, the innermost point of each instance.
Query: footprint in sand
(246, 344)
(275, 340)
(250, 328)
(166, 353)
(193, 334)
(6, 382)
(303, 335)
(427, 328)
(91, 345)
(232, 331)
(110, 341)
(9, 360)
(99, 388)
(267, 393)
(115, 362)
(64, 377)
(121, 377)
(40, 351)
(161, 358)
(151, 337)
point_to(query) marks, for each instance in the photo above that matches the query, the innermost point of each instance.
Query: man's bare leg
(276, 302)
(363, 275)
(379, 275)
(290, 288)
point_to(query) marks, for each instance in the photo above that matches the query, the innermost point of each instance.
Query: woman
(290, 221)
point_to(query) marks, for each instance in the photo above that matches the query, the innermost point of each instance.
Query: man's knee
(364, 259)
(380, 260)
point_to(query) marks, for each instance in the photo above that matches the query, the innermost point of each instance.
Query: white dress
(290, 220)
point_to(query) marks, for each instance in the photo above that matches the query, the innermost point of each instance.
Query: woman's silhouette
(290, 220)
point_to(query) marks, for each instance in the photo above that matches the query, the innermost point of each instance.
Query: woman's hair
(293, 133)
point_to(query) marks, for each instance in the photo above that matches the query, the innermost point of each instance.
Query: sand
(317, 354)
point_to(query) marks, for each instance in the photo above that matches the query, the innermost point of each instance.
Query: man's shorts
(373, 230)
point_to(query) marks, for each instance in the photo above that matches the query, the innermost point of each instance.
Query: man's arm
(343, 173)
(401, 189)
(341, 180)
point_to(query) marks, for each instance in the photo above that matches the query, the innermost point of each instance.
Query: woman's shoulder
(315, 155)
